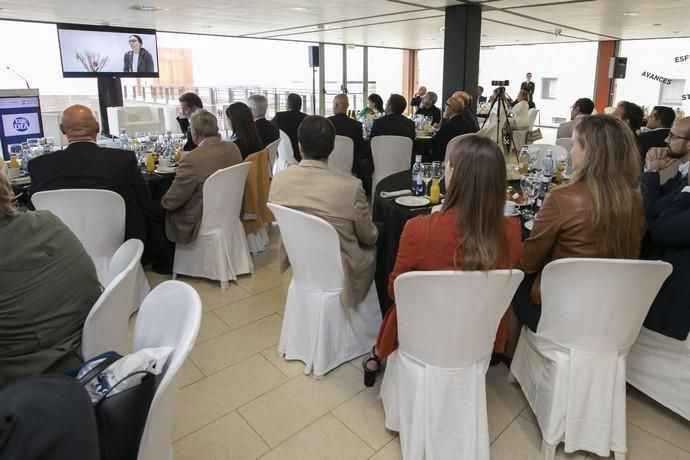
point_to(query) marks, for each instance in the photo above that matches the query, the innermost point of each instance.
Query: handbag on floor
(121, 406)
(534, 135)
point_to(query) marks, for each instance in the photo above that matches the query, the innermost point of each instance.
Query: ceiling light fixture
(147, 8)
(299, 8)
(657, 24)
(631, 13)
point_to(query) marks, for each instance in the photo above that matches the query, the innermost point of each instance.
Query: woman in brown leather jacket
(598, 214)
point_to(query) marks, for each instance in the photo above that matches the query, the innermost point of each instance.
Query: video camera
(500, 83)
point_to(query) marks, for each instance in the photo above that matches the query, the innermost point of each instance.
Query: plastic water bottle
(124, 139)
(417, 180)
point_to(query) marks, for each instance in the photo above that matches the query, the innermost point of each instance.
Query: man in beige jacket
(338, 198)
(184, 200)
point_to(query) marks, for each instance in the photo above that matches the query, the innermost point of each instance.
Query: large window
(648, 59)
(562, 73)
(430, 64)
(385, 71)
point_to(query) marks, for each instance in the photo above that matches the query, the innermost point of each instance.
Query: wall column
(603, 85)
(461, 49)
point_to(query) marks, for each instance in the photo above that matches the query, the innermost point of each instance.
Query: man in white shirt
(657, 197)
(580, 108)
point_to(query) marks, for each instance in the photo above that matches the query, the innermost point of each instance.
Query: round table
(390, 218)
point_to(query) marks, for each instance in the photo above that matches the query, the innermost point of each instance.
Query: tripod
(502, 105)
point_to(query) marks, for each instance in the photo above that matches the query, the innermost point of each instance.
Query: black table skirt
(390, 219)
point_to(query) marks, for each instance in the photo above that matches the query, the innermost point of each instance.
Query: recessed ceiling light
(631, 13)
(147, 8)
(299, 8)
(656, 24)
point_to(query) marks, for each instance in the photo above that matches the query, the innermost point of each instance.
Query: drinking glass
(437, 167)
(50, 143)
(33, 142)
(427, 175)
(530, 186)
(561, 165)
(533, 157)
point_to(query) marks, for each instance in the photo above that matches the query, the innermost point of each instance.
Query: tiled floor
(238, 400)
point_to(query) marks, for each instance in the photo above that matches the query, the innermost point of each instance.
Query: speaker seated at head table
(84, 164)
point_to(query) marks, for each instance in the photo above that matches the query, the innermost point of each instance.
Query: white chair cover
(572, 370)
(565, 142)
(258, 240)
(532, 118)
(434, 390)
(136, 118)
(317, 328)
(96, 217)
(659, 366)
(341, 158)
(286, 156)
(220, 251)
(107, 324)
(391, 154)
(272, 155)
(169, 317)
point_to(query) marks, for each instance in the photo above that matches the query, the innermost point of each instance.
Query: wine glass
(437, 167)
(561, 165)
(427, 175)
(530, 186)
(533, 157)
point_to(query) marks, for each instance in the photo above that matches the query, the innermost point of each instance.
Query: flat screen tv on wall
(104, 51)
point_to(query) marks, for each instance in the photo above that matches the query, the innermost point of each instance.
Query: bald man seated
(346, 126)
(84, 164)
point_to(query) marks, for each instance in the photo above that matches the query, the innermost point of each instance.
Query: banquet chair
(286, 156)
(169, 317)
(391, 154)
(272, 155)
(220, 250)
(572, 370)
(96, 217)
(433, 390)
(107, 324)
(659, 366)
(565, 142)
(317, 329)
(255, 214)
(141, 118)
(341, 158)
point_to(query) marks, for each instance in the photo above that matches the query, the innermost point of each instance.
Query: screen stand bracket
(109, 95)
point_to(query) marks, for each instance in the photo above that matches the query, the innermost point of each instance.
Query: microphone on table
(17, 74)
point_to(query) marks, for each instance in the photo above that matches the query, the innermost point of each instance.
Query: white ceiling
(414, 24)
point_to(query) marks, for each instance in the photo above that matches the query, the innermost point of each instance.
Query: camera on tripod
(500, 83)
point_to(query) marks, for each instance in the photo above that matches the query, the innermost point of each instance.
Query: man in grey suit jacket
(184, 198)
(580, 108)
(338, 198)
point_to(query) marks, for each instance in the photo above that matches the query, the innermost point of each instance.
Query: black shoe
(370, 374)
(496, 358)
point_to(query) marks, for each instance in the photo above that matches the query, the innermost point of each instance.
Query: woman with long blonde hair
(470, 232)
(598, 214)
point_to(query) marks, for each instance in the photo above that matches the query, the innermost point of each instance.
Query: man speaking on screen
(138, 59)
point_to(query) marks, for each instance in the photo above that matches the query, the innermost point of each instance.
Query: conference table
(390, 218)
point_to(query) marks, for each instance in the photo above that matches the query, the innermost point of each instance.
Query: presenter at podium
(138, 59)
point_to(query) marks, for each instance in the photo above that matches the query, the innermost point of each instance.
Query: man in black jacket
(346, 126)
(455, 125)
(658, 197)
(394, 123)
(659, 123)
(189, 103)
(84, 164)
(428, 108)
(670, 312)
(267, 130)
(289, 120)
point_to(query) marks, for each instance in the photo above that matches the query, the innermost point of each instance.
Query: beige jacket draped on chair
(255, 213)
(339, 199)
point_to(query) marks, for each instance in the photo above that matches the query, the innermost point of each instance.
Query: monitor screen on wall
(20, 117)
(104, 51)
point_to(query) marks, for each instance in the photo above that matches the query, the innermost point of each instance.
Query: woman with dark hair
(137, 59)
(598, 214)
(470, 233)
(374, 108)
(244, 132)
